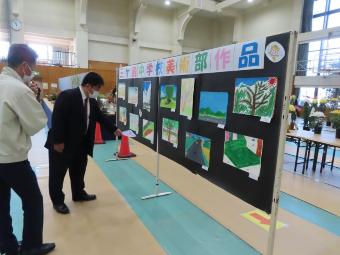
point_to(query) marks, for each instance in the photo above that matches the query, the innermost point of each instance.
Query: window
(319, 57)
(4, 46)
(326, 14)
(52, 51)
(44, 52)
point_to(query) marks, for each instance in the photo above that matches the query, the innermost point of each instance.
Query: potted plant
(292, 113)
(316, 121)
(305, 115)
(335, 119)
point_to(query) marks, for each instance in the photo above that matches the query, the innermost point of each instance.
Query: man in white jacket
(21, 116)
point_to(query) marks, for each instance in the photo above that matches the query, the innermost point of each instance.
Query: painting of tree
(168, 96)
(255, 96)
(170, 131)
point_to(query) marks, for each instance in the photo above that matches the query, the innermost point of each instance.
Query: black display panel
(256, 191)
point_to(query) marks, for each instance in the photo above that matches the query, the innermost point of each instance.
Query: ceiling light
(167, 2)
(250, 1)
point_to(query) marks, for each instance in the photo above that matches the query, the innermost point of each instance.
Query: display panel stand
(283, 130)
(115, 154)
(157, 180)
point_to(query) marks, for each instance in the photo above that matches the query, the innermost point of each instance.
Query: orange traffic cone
(98, 139)
(124, 151)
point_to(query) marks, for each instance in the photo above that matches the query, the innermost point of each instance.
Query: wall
(157, 27)
(148, 54)
(223, 31)
(199, 34)
(277, 17)
(208, 32)
(50, 17)
(3, 15)
(107, 17)
(156, 33)
(108, 52)
(108, 27)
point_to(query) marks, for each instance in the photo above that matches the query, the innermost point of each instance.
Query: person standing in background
(21, 116)
(71, 139)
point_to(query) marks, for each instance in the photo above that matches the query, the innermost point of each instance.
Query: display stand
(115, 154)
(283, 131)
(157, 180)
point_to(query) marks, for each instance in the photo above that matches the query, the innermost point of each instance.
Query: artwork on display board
(122, 115)
(197, 149)
(121, 91)
(213, 107)
(168, 96)
(255, 96)
(243, 152)
(134, 122)
(170, 131)
(148, 130)
(133, 95)
(187, 97)
(147, 95)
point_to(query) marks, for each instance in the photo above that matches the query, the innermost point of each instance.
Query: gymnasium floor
(185, 222)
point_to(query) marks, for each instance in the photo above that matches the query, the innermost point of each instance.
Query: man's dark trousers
(76, 164)
(21, 178)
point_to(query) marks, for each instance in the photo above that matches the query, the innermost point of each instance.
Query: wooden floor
(105, 226)
(300, 237)
(109, 226)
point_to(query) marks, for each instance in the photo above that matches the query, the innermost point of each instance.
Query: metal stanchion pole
(157, 180)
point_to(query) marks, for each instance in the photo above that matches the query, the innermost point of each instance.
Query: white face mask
(28, 78)
(95, 94)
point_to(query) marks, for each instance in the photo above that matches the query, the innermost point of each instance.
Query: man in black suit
(71, 139)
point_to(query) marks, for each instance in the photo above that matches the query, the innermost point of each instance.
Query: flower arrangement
(316, 121)
(292, 111)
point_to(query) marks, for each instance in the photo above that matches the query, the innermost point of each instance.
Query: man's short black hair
(94, 79)
(19, 53)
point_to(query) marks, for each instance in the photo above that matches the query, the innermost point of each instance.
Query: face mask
(28, 78)
(95, 94)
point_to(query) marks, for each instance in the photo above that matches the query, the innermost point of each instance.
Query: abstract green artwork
(244, 153)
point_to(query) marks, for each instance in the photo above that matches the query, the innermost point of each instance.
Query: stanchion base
(130, 155)
(156, 195)
(115, 159)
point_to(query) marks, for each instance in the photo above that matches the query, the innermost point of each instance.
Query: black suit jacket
(69, 124)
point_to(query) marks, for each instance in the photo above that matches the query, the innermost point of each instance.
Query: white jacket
(21, 116)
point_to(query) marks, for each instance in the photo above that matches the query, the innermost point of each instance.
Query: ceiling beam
(226, 3)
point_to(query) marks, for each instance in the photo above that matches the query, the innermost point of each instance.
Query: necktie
(86, 113)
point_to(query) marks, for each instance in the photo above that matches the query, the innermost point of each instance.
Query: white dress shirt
(83, 95)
